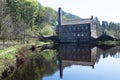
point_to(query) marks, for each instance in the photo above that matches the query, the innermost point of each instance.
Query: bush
(47, 30)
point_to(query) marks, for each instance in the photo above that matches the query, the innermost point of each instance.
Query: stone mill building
(80, 30)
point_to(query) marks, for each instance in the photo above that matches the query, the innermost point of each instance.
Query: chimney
(91, 17)
(59, 17)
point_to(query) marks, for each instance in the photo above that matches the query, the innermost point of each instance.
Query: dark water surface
(71, 62)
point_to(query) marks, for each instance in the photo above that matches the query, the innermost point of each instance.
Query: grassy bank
(7, 56)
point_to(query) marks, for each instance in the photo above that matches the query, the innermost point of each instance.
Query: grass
(7, 60)
(7, 57)
(6, 49)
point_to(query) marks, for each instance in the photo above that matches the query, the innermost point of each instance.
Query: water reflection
(84, 54)
(35, 67)
(73, 54)
(53, 60)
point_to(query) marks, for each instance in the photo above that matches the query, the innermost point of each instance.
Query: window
(82, 34)
(78, 35)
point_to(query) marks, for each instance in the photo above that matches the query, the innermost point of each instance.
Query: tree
(98, 26)
(39, 19)
(3, 12)
(47, 30)
(5, 21)
(105, 24)
(50, 16)
(96, 20)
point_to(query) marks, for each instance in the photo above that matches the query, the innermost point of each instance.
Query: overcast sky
(108, 10)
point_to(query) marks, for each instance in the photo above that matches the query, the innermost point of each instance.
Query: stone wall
(74, 32)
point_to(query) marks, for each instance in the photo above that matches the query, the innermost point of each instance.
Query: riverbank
(8, 55)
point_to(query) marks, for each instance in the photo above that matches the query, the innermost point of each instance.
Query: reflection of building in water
(76, 55)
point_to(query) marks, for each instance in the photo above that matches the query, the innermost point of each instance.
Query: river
(71, 62)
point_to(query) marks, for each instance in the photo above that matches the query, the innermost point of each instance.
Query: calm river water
(71, 62)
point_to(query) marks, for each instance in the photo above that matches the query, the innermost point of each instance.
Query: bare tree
(3, 19)
(19, 30)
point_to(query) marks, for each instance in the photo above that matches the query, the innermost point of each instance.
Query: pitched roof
(77, 21)
(105, 37)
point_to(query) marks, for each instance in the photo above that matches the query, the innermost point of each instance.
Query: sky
(107, 10)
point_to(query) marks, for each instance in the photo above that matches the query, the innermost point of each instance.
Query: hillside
(69, 16)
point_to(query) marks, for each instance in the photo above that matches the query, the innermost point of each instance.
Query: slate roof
(105, 37)
(77, 21)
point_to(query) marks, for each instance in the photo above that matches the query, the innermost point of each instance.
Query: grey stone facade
(77, 30)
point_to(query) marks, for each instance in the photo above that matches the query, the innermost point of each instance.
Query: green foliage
(109, 28)
(40, 16)
(19, 18)
(7, 57)
(47, 30)
(69, 16)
